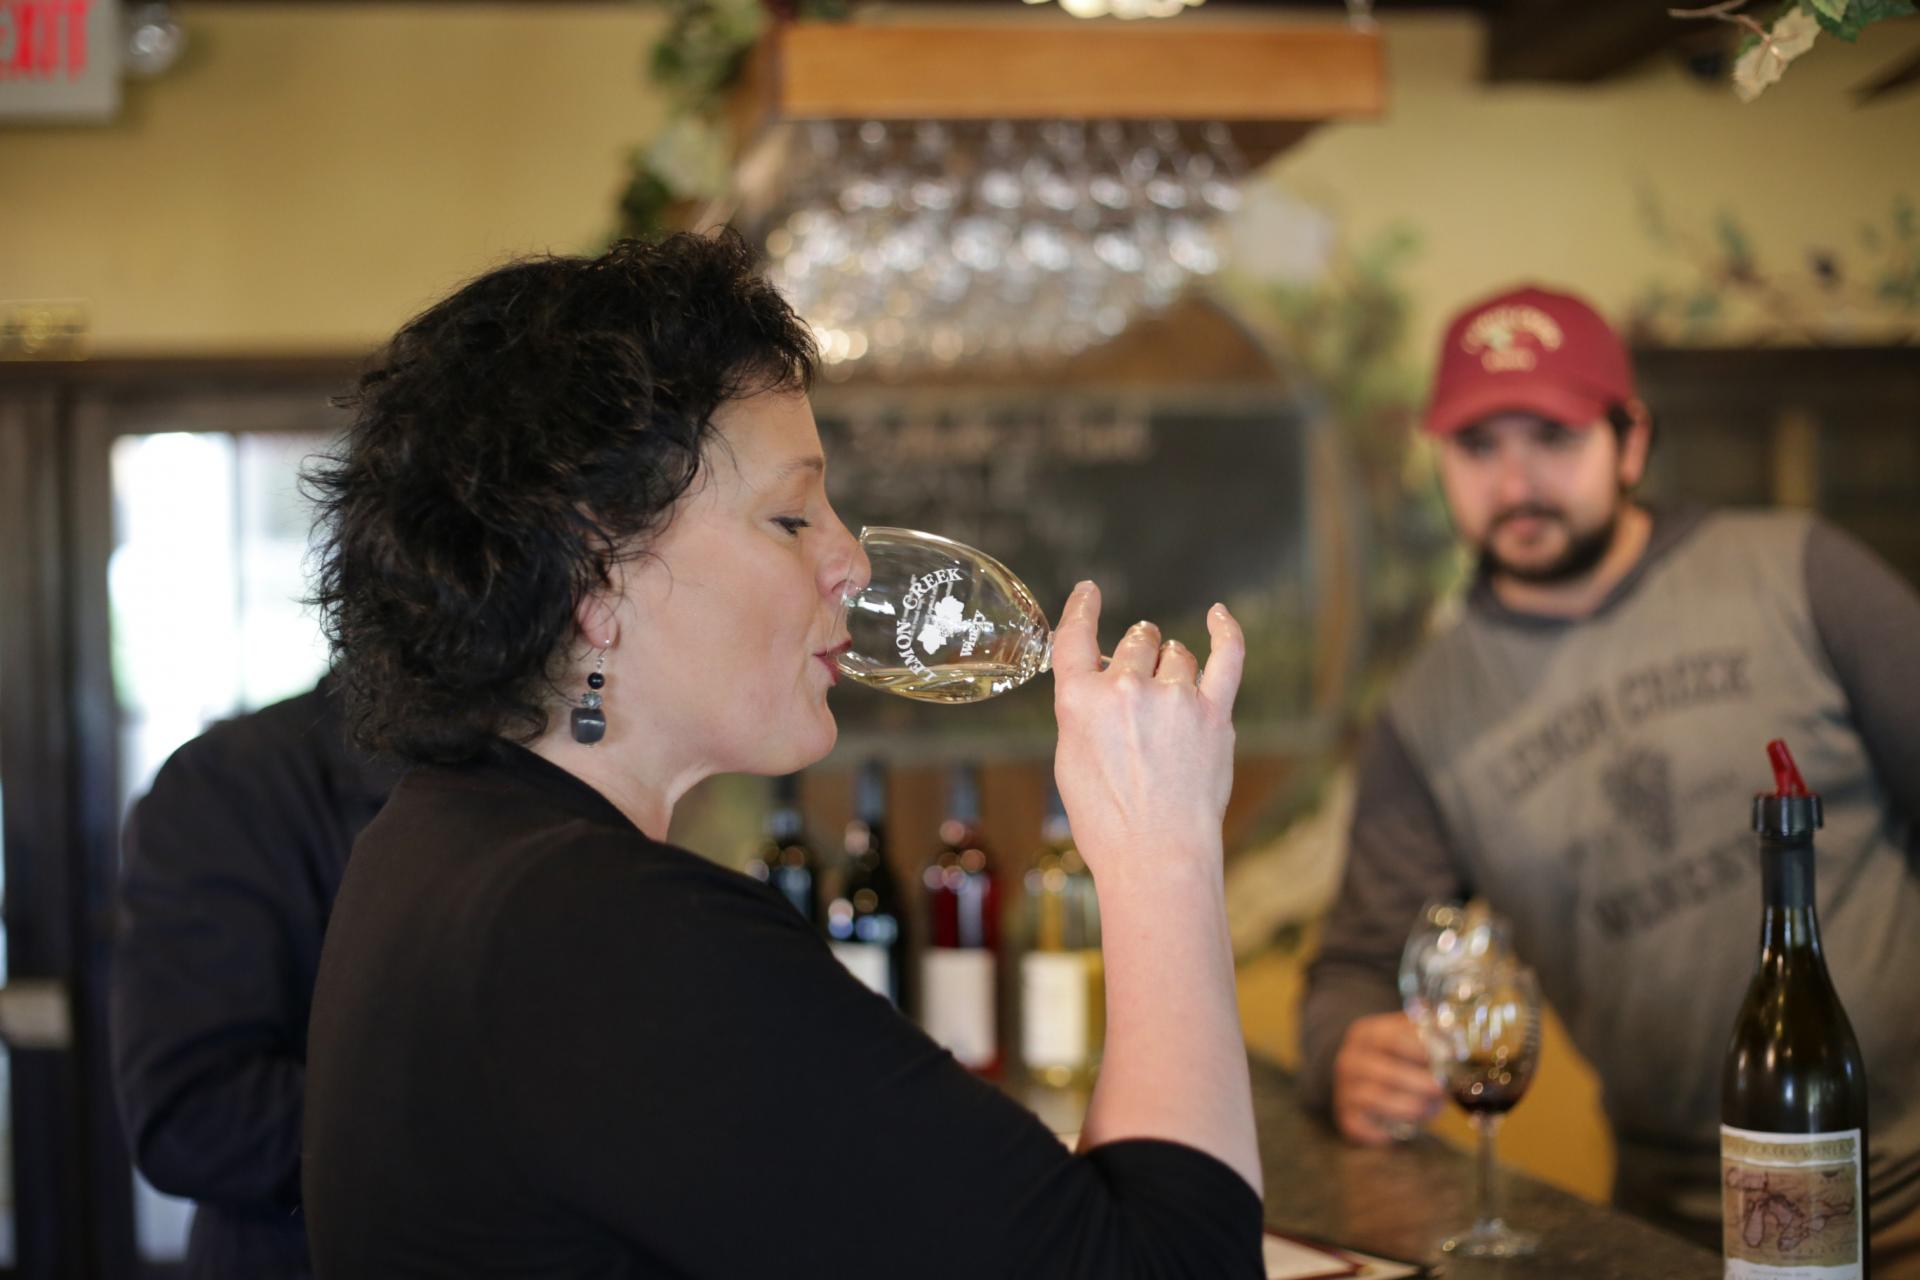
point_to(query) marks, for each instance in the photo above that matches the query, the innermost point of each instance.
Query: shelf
(1272, 83)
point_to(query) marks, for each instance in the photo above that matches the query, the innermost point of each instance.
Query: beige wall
(313, 174)
(1507, 182)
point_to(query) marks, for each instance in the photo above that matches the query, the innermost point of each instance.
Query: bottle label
(1054, 1030)
(867, 961)
(1790, 1205)
(958, 1008)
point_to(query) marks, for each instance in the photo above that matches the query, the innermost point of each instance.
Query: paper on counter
(1289, 1259)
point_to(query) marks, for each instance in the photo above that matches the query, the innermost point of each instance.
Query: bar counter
(1398, 1202)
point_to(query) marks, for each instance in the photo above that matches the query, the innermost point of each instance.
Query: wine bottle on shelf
(1062, 983)
(1793, 1093)
(959, 971)
(785, 860)
(864, 920)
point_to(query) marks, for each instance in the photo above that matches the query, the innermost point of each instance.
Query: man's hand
(1381, 1082)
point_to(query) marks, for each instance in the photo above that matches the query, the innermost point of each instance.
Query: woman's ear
(596, 620)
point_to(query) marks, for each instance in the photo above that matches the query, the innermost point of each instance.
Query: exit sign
(59, 59)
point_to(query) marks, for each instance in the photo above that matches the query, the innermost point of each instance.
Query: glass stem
(1487, 1214)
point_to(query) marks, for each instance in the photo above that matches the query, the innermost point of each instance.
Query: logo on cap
(1495, 336)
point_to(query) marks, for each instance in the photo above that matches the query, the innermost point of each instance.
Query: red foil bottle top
(1791, 811)
(1786, 774)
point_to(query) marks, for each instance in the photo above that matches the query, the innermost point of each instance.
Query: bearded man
(1581, 749)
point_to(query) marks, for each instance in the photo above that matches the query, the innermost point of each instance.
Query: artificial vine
(1792, 30)
(694, 63)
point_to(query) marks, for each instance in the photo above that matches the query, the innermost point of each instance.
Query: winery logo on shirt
(1640, 786)
(1495, 334)
(1566, 733)
(1643, 870)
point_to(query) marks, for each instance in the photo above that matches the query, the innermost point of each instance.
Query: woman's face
(732, 620)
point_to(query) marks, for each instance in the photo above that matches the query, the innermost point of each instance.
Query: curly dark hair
(508, 448)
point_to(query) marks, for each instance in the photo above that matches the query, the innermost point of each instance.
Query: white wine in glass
(941, 622)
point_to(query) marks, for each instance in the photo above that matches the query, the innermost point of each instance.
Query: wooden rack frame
(1271, 83)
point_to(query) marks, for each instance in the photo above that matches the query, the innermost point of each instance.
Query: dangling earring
(589, 721)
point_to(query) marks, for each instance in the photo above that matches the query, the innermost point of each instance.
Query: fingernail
(1083, 586)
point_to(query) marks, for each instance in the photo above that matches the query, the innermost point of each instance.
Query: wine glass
(1484, 1034)
(941, 621)
(1447, 933)
(1435, 936)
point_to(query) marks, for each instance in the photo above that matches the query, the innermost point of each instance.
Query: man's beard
(1583, 553)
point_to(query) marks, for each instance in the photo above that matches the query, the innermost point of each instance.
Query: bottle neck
(784, 826)
(1788, 921)
(870, 796)
(963, 797)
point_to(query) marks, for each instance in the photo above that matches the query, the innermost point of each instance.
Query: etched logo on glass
(941, 621)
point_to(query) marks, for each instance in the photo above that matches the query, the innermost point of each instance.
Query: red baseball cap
(1528, 350)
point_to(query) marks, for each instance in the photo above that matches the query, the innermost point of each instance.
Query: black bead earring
(589, 720)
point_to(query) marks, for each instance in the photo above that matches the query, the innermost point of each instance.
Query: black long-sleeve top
(544, 1044)
(231, 862)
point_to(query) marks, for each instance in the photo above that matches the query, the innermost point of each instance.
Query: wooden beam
(1577, 41)
(813, 70)
(1272, 84)
(1901, 75)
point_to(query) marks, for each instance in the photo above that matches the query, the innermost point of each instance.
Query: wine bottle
(1793, 1095)
(1062, 983)
(959, 1005)
(785, 860)
(864, 920)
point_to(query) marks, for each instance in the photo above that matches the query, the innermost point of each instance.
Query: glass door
(152, 546)
(202, 583)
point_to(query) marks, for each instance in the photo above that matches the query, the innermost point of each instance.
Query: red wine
(1793, 1094)
(1489, 1085)
(959, 997)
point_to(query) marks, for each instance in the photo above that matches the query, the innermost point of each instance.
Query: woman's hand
(1145, 765)
(1145, 758)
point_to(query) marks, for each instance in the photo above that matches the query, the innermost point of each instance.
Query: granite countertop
(1400, 1201)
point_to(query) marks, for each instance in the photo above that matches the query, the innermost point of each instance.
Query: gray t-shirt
(1592, 778)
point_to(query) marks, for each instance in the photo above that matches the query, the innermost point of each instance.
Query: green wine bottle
(1793, 1094)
